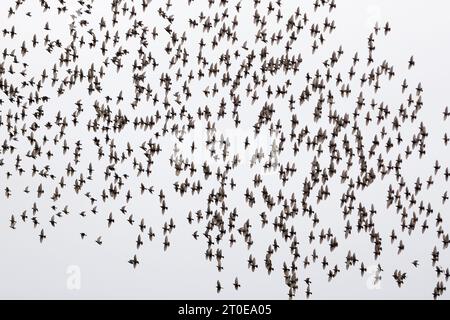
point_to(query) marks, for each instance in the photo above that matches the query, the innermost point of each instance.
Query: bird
(42, 236)
(134, 261)
(12, 222)
(236, 284)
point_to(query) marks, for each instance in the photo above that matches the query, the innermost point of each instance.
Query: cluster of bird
(332, 133)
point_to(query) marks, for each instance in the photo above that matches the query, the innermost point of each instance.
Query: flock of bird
(332, 135)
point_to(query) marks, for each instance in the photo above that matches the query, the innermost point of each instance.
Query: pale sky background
(31, 270)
